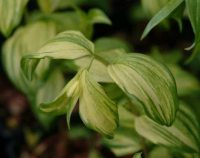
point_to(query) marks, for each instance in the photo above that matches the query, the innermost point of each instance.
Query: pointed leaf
(161, 15)
(11, 13)
(66, 45)
(98, 16)
(182, 135)
(66, 100)
(150, 82)
(97, 111)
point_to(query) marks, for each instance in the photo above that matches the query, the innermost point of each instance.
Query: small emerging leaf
(150, 82)
(183, 135)
(161, 15)
(97, 110)
(11, 13)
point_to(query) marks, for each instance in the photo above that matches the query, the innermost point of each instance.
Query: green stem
(101, 59)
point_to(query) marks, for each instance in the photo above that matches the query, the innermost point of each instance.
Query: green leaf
(48, 6)
(11, 13)
(97, 111)
(160, 152)
(20, 44)
(66, 100)
(98, 16)
(106, 44)
(183, 135)
(137, 155)
(186, 82)
(193, 9)
(150, 82)
(66, 45)
(161, 15)
(153, 6)
(51, 88)
(126, 141)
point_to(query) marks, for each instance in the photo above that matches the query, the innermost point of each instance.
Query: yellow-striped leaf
(24, 41)
(10, 14)
(96, 109)
(183, 135)
(150, 82)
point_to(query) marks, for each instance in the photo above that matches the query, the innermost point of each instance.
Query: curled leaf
(66, 45)
(150, 82)
(66, 100)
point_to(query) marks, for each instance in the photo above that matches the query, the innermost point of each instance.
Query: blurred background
(23, 135)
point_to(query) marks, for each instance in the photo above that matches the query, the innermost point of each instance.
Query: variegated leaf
(150, 82)
(11, 12)
(21, 43)
(183, 135)
(97, 110)
(66, 45)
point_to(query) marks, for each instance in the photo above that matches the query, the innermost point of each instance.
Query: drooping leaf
(183, 135)
(66, 45)
(126, 141)
(96, 109)
(66, 99)
(161, 15)
(137, 155)
(11, 12)
(21, 43)
(150, 82)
